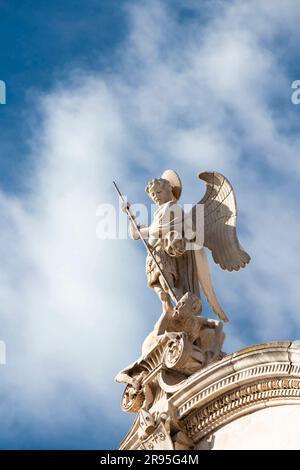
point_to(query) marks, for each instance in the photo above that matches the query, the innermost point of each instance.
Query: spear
(146, 244)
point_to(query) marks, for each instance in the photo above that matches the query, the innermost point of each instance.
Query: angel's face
(160, 191)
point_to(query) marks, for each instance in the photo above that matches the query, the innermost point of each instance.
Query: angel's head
(160, 190)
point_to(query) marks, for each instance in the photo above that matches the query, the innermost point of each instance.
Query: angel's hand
(125, 206)
(144, 230)
(134, 232)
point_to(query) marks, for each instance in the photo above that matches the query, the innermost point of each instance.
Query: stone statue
(183, 342)
(172, 269)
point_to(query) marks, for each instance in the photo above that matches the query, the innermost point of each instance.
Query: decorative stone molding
(181, 350)
(174, 352)
(240, 402)
(197, 405)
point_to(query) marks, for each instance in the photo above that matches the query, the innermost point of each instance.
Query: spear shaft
(147, 246)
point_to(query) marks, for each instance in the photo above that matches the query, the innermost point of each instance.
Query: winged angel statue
(176, 263)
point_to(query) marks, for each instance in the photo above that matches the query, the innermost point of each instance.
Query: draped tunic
(166, 238)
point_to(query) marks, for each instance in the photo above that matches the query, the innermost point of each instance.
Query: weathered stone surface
(181, 367)
(274, 428)
(209, 405)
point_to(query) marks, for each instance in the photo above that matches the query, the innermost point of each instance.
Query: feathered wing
(205, 282)
(220, 218)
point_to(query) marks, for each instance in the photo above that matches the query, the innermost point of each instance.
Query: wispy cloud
(208, 90)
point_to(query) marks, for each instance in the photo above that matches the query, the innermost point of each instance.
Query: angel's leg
(177, 290)
(165, 296)
(162, 323)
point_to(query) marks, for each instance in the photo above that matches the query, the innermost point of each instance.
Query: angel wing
(205, 282)
(220, 217)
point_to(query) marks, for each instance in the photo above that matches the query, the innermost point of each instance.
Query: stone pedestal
(246, 400)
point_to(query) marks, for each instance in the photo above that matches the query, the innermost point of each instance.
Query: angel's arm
(134, 233)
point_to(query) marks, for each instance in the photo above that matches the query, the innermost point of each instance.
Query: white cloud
(61, 288)
(76, 309)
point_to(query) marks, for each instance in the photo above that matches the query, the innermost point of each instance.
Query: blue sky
(40, 42)
(102, 90)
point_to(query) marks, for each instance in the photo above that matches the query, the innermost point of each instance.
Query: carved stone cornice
(255, 377)
(259, 376)
(240, 402)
